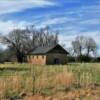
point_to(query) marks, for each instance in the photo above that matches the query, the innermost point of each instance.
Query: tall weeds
(46, 78)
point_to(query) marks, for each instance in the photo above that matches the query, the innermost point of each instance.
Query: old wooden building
(48, 55)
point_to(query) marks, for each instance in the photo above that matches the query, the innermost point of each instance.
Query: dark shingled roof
(46, 49)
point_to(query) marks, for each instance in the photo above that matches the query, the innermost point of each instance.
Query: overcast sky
(70, 17)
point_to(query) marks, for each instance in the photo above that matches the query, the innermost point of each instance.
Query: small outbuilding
(48, 55)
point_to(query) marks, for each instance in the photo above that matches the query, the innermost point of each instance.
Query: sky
(70, 17)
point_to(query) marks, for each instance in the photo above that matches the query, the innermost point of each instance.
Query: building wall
(51, 57)
(37, 59)
(47, 59)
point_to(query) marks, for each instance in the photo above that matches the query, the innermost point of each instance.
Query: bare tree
(84, 46)
(90, 46)
(78, 45)
(22, 41)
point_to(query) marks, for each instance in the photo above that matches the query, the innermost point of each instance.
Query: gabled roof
(46, 49)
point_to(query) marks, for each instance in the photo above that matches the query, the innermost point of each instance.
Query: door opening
(56, 61)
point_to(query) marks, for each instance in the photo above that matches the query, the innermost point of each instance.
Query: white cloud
(54, 21)
(7, 26)
(94, 34)
(8, 6)
(91, 22)
(66, 39)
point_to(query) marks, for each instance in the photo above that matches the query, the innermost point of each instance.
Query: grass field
(53, 82)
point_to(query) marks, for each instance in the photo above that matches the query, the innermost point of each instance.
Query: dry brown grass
(11, 85)
(2, 88)
(14, 85)
(81, 94)
(48, 80)
(28, 85)
(63, 79)
(41, 82)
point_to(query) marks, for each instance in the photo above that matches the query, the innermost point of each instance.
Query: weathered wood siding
(51, 57)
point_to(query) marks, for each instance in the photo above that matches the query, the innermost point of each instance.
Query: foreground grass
(16, 80)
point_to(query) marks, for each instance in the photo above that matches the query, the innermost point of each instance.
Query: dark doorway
(56, 61)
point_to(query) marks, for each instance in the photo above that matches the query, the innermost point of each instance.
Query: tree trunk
(20, 56)
(88, 51)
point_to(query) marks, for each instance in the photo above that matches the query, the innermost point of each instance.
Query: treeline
(83, 59)
(84, 49)
(20, 42)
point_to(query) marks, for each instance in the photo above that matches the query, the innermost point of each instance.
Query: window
(28, 57)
